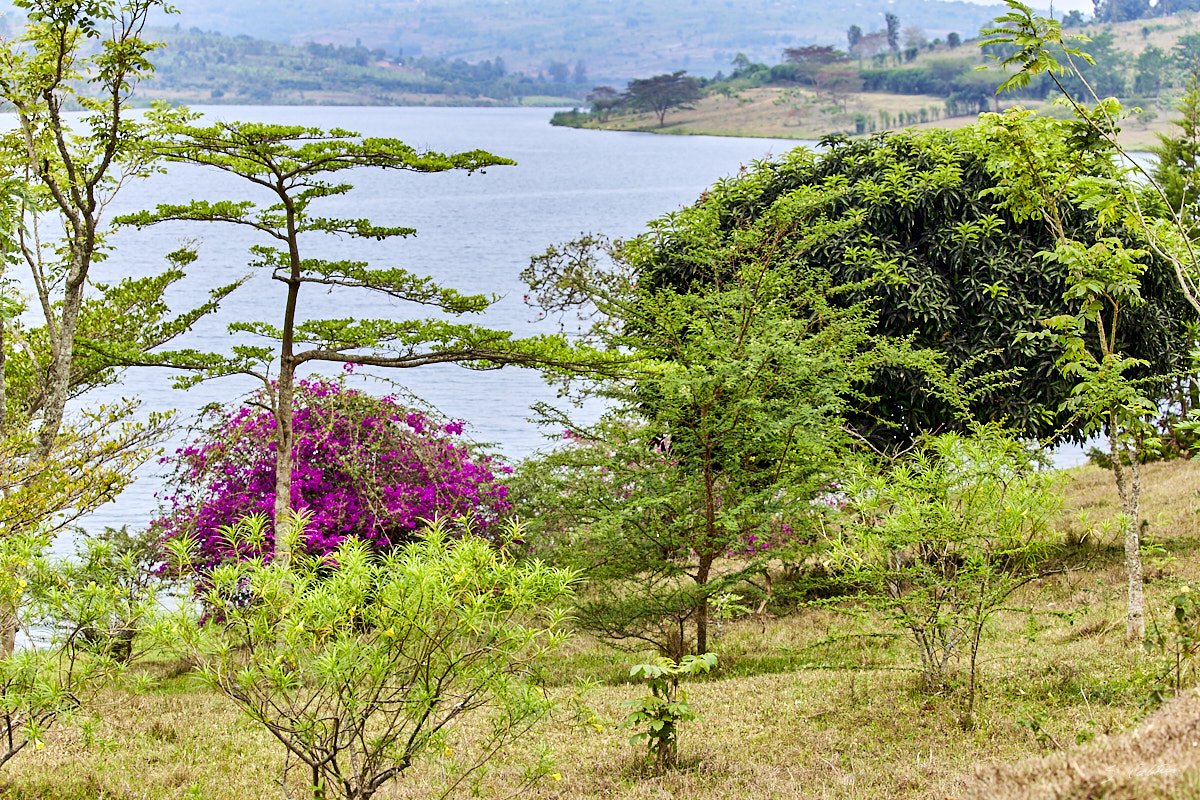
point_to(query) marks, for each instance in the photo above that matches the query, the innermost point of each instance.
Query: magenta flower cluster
(363, 466)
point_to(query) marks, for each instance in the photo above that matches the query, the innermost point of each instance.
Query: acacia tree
(294, 165)
(662, 93)
(730, 424)
(604, 100)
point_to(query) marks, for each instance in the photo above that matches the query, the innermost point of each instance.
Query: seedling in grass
(665, 707)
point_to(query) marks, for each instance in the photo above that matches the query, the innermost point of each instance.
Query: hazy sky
(1059, 5)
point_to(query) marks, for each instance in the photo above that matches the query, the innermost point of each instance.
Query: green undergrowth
(820, 702)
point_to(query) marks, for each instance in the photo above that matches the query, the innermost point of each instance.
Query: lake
(475, 233)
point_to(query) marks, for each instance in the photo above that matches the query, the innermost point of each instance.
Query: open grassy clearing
(761, 112)
(812, 704)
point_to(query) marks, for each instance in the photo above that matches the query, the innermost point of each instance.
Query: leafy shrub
(46, 685)
(944, 537)
(360, 662)
(367, 468)
(126, 566)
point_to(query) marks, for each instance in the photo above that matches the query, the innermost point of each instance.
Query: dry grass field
(814, 703)
(759, 112)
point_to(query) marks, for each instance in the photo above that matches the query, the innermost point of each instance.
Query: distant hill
(206, 67)
(611, 40)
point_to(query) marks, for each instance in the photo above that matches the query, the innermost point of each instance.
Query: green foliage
(927, 235)
(125, 567)
(1179, 158)
(1177, 640)
(200, 66)
(665, 707)
(58, 608)
(94, 459)
(92, 56)
(728, 421)
(359, 663)
(69, 56)
(942, 538)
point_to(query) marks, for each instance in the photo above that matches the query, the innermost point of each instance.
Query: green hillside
(205, 67)
(615, 39)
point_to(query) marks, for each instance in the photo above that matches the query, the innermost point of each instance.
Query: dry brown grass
(1158, 759)
(755, 112)
(816, 704)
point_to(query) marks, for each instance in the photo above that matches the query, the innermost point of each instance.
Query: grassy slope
(803, 706)
(759, 113)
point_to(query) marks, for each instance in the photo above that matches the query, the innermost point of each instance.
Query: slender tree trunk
(705, 551)
(1129, 488)
(702, 610)
(285, 436)
(284, 446)
(60, 377)
(8, 617)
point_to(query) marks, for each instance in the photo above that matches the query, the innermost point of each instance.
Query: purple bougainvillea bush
(364, 466)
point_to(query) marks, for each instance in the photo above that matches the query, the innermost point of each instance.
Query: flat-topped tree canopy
(298, 166)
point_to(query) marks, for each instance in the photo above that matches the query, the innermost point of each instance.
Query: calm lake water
(475, 233)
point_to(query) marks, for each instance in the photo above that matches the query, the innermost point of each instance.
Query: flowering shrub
(365, 467)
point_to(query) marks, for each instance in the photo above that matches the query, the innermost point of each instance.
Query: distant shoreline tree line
(213, 66)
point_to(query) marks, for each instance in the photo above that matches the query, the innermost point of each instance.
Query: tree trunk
(285, 435)
(702, 610)
(64, 356)
(1130, 489)
(285, 438)
(8, 616)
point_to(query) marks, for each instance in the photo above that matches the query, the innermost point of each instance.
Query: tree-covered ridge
(206, 67)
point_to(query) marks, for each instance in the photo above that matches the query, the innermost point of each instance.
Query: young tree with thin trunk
(61, 170)
(731, 422)
(1106, 274)
(75, 54)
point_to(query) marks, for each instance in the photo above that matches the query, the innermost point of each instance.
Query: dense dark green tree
(954, 271)
(853, 35)
(1151, 70)
(893, 31)
(662, 93)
